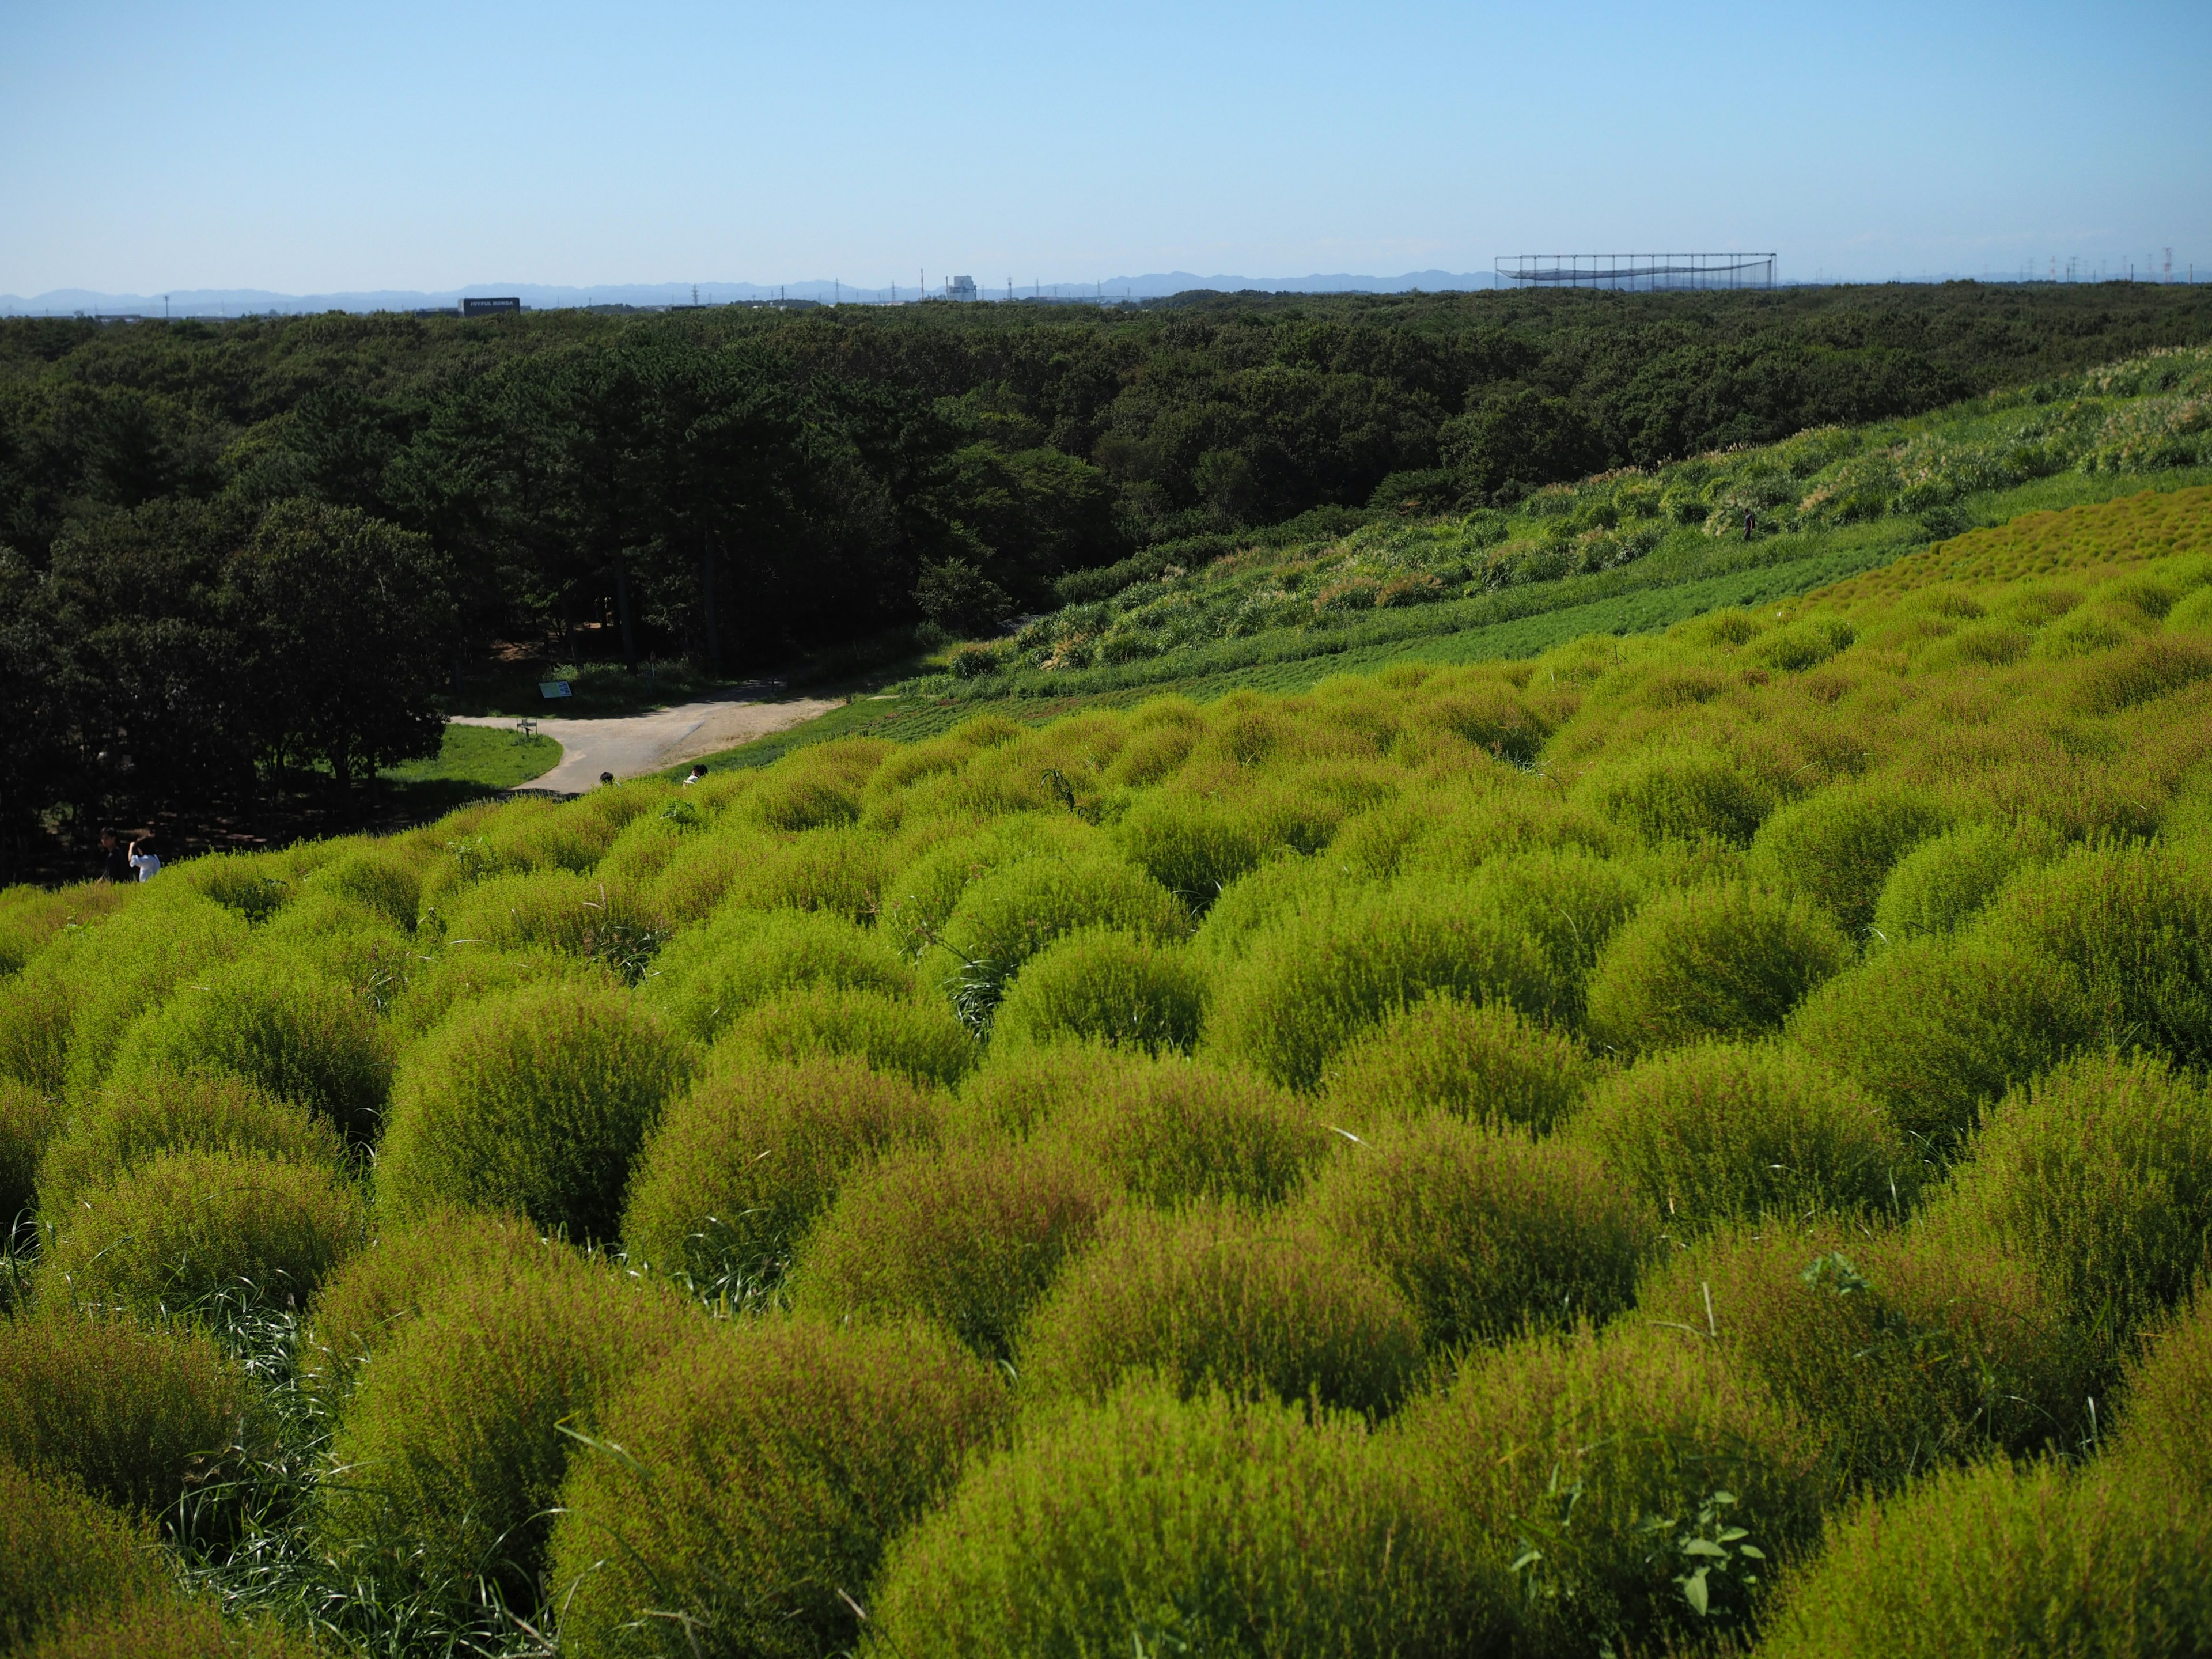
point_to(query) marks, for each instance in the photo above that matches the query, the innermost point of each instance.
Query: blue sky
(330, 146)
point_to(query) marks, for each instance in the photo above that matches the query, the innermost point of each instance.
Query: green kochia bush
(377, 878)
(2169, 1390)
(28, 1121)
(1311, 985)
(1838, 846)
(1725, 960)
(1210, 1525)
(132, 1121)
(1734, 1129)
(742, 1166)
(463, 971)
(968, 1239)
(534, 1100)
(62, 1552)
(455, 1438)
(1109, 986)
(710, 975)
(1485, 1064)
(268, 1019)
(1485, 1230)
(171, 1627)
(163, 939)
(1682, 793)
(758, 1475)
(2099, 1177)
(552, 909)
(913, 1036)
(183, 1226)
(1942, 884)
(1223, 1298)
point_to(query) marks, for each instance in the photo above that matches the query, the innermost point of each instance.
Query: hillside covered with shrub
(1686, 1142)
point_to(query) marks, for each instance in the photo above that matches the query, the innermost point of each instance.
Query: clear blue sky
(326, 147)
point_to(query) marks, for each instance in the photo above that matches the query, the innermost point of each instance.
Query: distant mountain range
(239, 301)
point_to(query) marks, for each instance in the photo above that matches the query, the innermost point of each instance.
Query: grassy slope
(470, 760)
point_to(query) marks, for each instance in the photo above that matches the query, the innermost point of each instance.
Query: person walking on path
(147, 862)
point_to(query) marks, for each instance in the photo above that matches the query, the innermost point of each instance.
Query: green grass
(596, 689)
(472, 759)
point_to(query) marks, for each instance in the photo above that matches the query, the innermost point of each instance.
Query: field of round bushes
(1694, 1142)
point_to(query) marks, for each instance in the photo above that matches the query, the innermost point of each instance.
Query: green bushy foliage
(1105, 985)
(1223, 1298)
(930, 879)
(463, 972)
(264, 1018)
(1720, 961)
(1992, 1560)
(534, 1100)
(556, 910)
(1836, 847)
(1902, 1350)
(336, 939)
(167, 938)
(916, 1036)
(2099, 1177)
(743, 1166)
(1016, 1091)
(256, 885)
(1724, 1130)
(711, 973)
(740, 866)
(1211, 1525)
(2163, 1411)
(529, 834)
(182, 1226)
(62, 1552)
(1485, 1064)
(1194, 844)
(1680, 793)
(1310, 985)
(132, 1121)
(1172, 1131)
(757, 1476)
(459, 1428)
(1600, 1463)
(1942, 885)
(378, 879)
(135, 1415)
(33, 918)
(1570, 902)
(1274, 894)
(1938, 1027)
(170, 1626)
(967, 1238)
(38, 1009)
(29, 1119)
(1486, 1230)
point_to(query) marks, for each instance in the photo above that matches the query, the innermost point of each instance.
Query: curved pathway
(631, 745)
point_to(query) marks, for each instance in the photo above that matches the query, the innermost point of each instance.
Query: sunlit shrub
(1838, 846)
(376, 878)
(711, 973)
(839, 870)
(1942, 885)
(463, 972)
(1724, 1130)
(1194, 844)
(758, 1475)
(556, 910)
(742, 1166)
(135, 1415)
(1275, 893)
(349, 944)
(1570, 902)
(1105, 985)
(913, 1036)
(166, 939)
(460, 1426)
(62, 1552)
(1728, 960)
(1486, 1230)
(1019, 1089)
(256, 885)
(1486, 1064)
(33, 918)
(1220, 1526)
(1223, 1298)
(37, 1010)
(29, 1119)
(294, 1033)
(2162, 1409)
(1310, 985)
(169, 1626)
(1679, 793)
(534, 1100)
(967, 1238)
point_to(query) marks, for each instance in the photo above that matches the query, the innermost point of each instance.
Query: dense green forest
(229, 552)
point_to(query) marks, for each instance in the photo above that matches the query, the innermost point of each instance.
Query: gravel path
(631, 745)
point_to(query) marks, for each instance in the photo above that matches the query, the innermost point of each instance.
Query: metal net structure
(1636, 271)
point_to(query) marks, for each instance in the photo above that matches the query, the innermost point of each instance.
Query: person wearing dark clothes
(1750, 522)
(114, 860)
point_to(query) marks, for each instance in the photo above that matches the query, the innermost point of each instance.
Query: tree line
(233, 550)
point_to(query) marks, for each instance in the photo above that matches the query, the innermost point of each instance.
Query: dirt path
(632, 744)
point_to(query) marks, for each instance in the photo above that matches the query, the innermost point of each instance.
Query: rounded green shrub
(711, 973)
(1209, 1525)
(903, 1032)
(338, 939)
(741, 1167)
(1943, 884)
(1485, 1064)
(1723, 1130)
(1277, 892)
(182, 1227)
(256, 885)
(38, 1009)
(2099, 1177)
(759, 1474)
(1223, 1298)
(1723, 961)
(967, 1238)
(1938, 1027)
(739, 867)
(1836, 847)
(132, 1121)
(63, 1554)
(534, 1100)
(135, 1415)
(28, 1121)
(1679, 793)
(1310, 985)
(1111, 987)
(296, 1033)
(464, 972)
(1609, 1455)
(165, 938)
(377, 878)
(2163, 1411)
(1901, 1349)
(1017, 1091)
(1485, 1230)
(461, 1425)
(1193, 843)
(1172, 1131)
(170, 1626)
(556, 910)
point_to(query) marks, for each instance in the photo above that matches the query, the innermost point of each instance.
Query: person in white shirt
(697, 773)
(143, 858)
